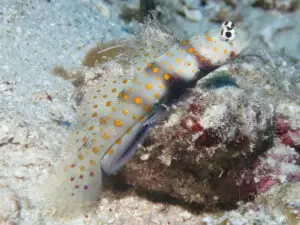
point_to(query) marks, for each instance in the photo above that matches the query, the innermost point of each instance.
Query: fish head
(219, 46)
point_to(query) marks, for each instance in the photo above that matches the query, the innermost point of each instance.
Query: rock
(281, 5)
(9, 207)
(219, 131)
(279, 165)
(288, 124)
(279, 206)
(221, 135)
(15, 132)
(191, 14)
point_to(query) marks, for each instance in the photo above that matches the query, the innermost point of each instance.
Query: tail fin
(74, 187)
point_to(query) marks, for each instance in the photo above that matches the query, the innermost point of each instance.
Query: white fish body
(112, 116)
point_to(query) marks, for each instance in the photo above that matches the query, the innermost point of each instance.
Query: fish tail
(74, 187)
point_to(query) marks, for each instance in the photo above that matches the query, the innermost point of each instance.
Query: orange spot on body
(148, 86)
(147, 108)
(161, 86)
(118, 142)
(94, 114)
(95, 150)
(105, 136)
(92, 162)
(208, 38)
(155, 70)
(118, 123)
(82, 168)
(80, 156)
(102, 120)
(91, 128)
(137, 100)
(110, 151)
(166, 76)
(108, 103)
(125, 112)
(66, 169)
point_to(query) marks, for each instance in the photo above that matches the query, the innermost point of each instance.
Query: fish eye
(228, 24)
(227, 35)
